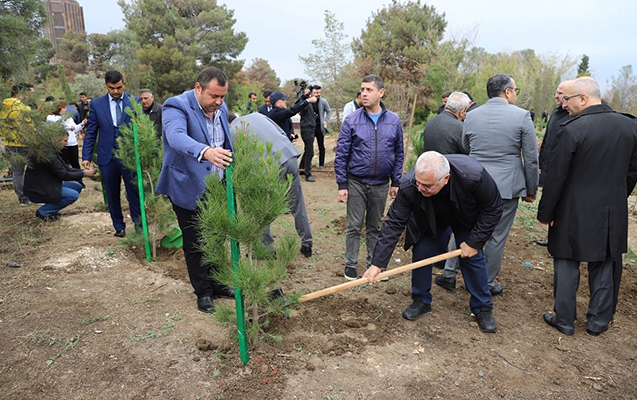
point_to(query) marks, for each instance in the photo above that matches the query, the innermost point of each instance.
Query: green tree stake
(104, 191)
(234, 247)
(140, 185)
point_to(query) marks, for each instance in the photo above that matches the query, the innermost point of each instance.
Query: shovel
(388, 273)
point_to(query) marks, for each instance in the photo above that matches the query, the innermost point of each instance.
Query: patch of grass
(110, 253)
(68, 344)
(93, 319)
(141, 300)
(166, 327)
(630, 257)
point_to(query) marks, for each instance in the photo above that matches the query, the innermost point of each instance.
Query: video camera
(302, 86)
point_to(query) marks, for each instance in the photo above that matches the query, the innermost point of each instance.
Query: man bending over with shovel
(443, 194)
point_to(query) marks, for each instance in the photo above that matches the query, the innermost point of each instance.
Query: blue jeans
(70, 193)
(474, 269)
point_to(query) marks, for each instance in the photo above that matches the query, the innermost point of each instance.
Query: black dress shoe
(416, 309)
(120, 233)
(544, 243)
(223, 291)
(204, 304)
(486, 322)
(306, 250)
(447, 283)
(278, 294)
(596, 333)
(496, 290)
(550, 321)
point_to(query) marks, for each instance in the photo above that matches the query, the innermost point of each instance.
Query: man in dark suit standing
(266, 107)
(584, 202)
(106, 115)
(196, 139)
(443, 133)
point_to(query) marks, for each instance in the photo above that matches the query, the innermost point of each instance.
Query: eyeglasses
(516, 90)
(425, 186)
(567, 98)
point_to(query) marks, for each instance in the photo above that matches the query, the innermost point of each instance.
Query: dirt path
(85, 318)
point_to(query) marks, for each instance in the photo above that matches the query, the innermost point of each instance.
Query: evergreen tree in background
(582, 68)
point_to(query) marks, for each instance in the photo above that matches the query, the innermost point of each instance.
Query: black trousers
(320, 141)
(308, 153)
(71, 156)
(197, 271)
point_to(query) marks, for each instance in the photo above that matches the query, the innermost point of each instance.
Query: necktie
(118, 111)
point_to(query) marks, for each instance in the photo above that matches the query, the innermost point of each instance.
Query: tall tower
(64, 16)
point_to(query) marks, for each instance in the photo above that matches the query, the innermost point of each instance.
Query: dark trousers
(112, 174)
(70, 156)
(474, 269)
(602, 279)
(308, 153)
(320, 141)
(197, 270)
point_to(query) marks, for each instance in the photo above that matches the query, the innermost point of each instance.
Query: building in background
(65, 15)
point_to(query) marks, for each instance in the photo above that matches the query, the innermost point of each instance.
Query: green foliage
(261, 196)
(261, 74)
(20, 124)
(167, 326)
(88, 83)
(158, 212)
(40, 63)
(582, 67)
(68, 95)
(118, 50)
(397, 37)
(182, 37)
(21, 22)
(73, 52)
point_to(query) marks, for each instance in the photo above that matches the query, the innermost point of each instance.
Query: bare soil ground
(83, 316)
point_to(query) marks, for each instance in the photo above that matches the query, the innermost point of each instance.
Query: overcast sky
(279, 31)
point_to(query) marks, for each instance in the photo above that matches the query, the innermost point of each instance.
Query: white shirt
(70, 127)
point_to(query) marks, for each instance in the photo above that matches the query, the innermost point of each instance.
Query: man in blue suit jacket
(197, 143)
(107, 114)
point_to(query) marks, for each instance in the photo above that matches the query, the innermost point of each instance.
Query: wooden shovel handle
(388, 273)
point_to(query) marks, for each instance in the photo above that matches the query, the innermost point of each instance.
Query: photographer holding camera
(309, 119)
(281, 114)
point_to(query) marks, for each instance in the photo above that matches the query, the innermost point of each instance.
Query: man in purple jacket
(369, 154)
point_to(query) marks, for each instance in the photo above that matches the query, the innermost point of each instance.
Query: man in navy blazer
(197, 143)
(107, 114)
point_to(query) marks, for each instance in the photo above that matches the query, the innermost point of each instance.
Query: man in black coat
(151, 108)
(281, 114)
(308, 132)
(443, 133)
(592, 171)
(558, 116)
(443, 194)
(52, 182)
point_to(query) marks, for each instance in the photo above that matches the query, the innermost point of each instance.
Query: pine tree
(158, 212)
(261, 196)
(582, 68)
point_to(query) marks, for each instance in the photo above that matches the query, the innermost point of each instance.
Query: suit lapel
(199, 116)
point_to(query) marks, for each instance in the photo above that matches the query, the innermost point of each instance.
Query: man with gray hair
(443, 133)
(502, 138)
(151, 108)
(584, 202)
(443, 194)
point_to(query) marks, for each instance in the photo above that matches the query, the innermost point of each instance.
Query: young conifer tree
(158, 212)
(261, 196)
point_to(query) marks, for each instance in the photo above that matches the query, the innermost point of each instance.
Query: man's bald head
(559, 92)
(580, 94)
